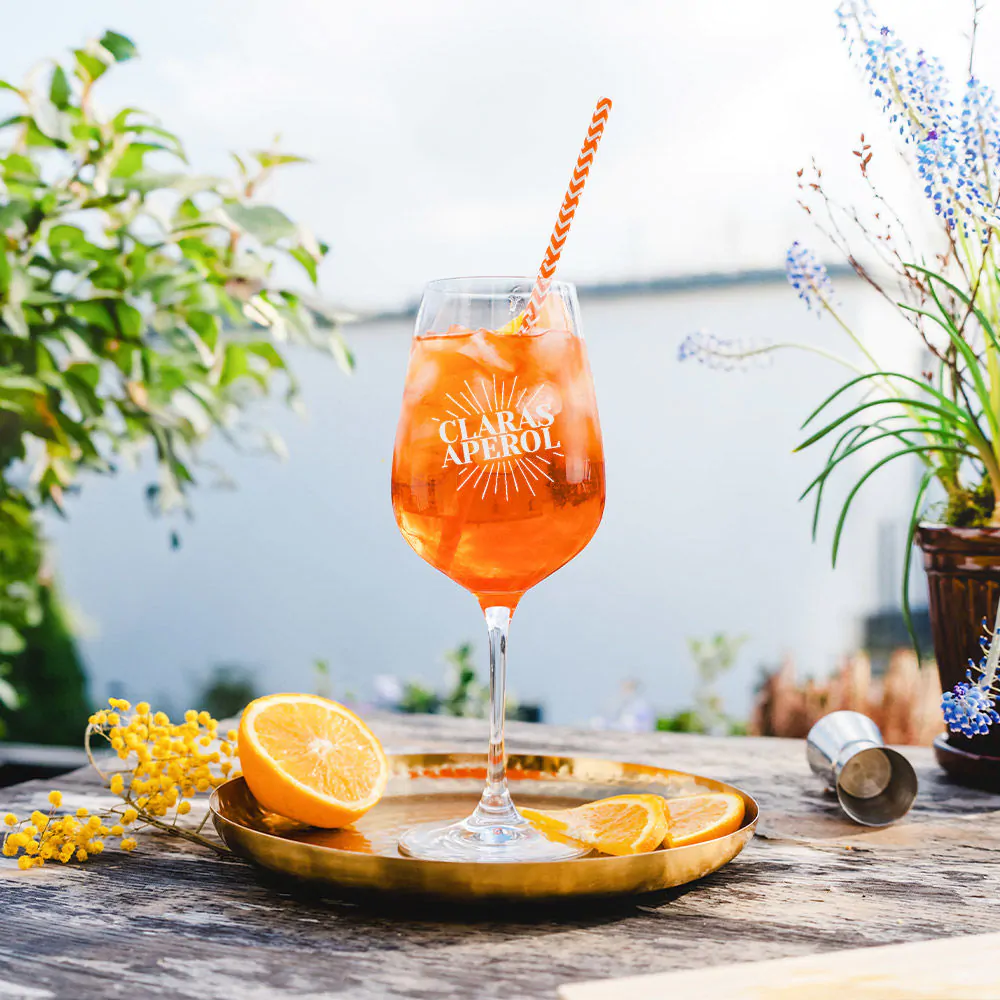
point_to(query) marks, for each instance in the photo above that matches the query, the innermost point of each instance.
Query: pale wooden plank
(926, 970)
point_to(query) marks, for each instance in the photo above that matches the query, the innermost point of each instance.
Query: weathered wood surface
(174, 920)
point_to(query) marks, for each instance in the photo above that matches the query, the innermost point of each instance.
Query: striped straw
(566, 212)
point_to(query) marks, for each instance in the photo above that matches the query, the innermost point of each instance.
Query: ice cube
(481, 348)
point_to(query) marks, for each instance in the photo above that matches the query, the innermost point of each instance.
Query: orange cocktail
(498, 469)
(497, 480)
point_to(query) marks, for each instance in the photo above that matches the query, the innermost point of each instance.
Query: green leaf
(17, 167)
(133, 157)
(90, 67)
(79, 379)
(87, 372)
(121, 47)
(14, 120)
(94, 312)
(264, 222)
(11, 641)
(173, 143)
(916, 449)
(129, 320)
(8, 698)
(855, 445)
(341, 352)
(206, 326)
(910, 534)
(234, 364)
(962, 297)
(918, 404)
(49, 121)
(59, 89)
(266, 350)
(269, 159)
(944, 400)
(146, 181)
(968, 355)
(16, 210)
(4, 85)
(853, 433)
(12, 316)
(307, 260)
(109, 277)
(66, 239)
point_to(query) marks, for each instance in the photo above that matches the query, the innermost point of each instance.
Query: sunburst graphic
(500, 437)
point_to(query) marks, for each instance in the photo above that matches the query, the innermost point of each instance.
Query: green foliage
(713, 658)
(466, 695)
(47, 677)
(227, 691)
(685, 721)
(140, 305)
(419, 700)
(324, 682)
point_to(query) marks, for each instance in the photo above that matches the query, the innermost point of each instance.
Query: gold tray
(442, 786)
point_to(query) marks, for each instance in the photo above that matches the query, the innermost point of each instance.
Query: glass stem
(496, 807)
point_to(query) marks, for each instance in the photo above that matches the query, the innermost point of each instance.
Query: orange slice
(513, 326)
(696, 818)
(623, 824)
(311, 759)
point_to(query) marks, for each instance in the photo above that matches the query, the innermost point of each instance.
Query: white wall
(702, 531)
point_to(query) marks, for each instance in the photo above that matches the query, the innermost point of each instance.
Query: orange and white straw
(566, 212)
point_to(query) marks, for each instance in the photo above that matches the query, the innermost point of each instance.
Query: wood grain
(920, 970)
(174, 920)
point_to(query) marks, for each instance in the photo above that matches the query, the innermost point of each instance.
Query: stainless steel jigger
(874, 784)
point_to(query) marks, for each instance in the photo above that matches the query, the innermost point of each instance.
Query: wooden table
(175, 920)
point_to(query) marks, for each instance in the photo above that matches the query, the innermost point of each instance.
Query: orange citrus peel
(311, 759)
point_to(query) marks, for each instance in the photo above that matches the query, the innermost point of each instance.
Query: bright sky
(442, 133)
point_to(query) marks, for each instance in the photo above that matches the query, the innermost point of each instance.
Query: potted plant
(946, 416)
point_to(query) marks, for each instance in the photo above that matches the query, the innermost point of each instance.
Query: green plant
(712, 657)
(323, 682)
(467, 696)
(140, 306)
(47, 677)
(9, 699)
(227, 690)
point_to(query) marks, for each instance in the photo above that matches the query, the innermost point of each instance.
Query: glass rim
(466, 285)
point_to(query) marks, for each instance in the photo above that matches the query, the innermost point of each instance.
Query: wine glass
(497, 481)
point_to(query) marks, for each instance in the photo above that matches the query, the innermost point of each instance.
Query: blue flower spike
(970, 707)
(956, 146)
(729, 355)
(808, 277)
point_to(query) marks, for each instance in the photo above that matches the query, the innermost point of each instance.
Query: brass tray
(442, 786)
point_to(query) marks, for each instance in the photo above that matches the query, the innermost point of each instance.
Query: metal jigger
(874, 784)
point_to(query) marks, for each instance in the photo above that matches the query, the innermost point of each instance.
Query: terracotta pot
(963, 582)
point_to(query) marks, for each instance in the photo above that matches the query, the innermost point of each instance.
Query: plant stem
(90, 756)
(176, 831)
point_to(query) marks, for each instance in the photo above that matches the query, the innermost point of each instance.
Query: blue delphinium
(970, 707)
(808, 276)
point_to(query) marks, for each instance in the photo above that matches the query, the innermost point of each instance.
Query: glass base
(498, 842)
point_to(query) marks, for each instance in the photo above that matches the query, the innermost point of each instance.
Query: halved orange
(622, 824)
(310, 759)
(696, 818)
